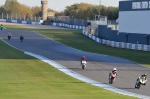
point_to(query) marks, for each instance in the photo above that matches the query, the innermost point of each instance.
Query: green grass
(24, 77)
(14, 27)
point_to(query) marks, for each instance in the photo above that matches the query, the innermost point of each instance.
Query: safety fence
(51, 23)
(68, 25)
(71, 21)
(124, 45)
(19, 21)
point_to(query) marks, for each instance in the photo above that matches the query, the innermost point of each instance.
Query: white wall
(134, 22)
(24, 22)
(113, 27)
(14, 21)
(2, 20)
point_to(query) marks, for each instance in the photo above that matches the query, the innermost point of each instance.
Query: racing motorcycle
(83, 63)
(9, 37)
(21, 38)
(140, 82)
(112, 77)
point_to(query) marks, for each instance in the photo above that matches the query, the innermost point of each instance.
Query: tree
(12, 6)
(35, 10)
(112, 13)
(84, 10)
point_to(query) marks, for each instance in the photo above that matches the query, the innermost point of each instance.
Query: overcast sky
(60, 5)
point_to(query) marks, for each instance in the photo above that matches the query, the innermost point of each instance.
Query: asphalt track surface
(98, 66)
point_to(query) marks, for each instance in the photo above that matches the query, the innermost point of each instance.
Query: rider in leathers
(142, 76)
(83, 59)
(114, 71)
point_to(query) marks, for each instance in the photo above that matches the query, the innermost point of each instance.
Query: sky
(60, 5)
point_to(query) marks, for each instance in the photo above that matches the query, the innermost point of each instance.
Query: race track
(98, 66)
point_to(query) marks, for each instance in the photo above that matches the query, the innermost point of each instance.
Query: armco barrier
(67, 25)
(8, 20)
(19, 21)
(145, 48)
(24, 22)
(29, 22)
(118, 44)
(14, 21)
(37, 23)
(127, 45)
(2, 20)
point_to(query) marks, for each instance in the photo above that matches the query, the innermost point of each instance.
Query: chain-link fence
(71, 21)
(19, 17)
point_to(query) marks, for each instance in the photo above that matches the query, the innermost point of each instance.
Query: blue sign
(134, 5)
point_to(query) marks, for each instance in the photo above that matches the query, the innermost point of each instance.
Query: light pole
(99, 8)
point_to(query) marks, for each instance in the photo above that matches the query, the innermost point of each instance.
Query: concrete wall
(134, 22)
(134, 16)
(124, 45)
(113, 35)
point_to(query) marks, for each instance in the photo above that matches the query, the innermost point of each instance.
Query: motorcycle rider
(9, 35)
(142, 76)
(114, 71)
(112, 75)
(83, 59)
(21, 38)
(2, 26)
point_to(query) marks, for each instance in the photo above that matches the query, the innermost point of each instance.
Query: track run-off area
(98, 66)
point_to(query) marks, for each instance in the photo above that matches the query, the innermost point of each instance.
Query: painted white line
(85, 79)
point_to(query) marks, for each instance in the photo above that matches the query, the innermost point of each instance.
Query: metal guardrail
(124, 45)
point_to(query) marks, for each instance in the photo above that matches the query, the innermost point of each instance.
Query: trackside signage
(141, 5)
(134, 5)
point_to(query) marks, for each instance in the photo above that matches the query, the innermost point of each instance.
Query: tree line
(78, 10)
(88, 11)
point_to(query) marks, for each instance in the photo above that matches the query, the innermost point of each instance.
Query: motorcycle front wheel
(83, 66)
(111, 80)
(138, 85)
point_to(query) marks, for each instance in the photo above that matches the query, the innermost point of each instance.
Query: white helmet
(114, 69)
